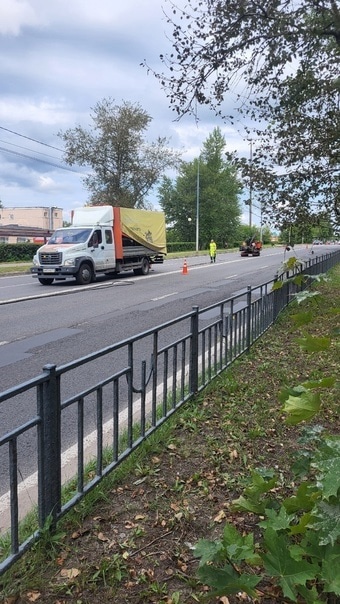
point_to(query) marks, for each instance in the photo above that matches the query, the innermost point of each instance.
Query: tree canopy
(209, 184)
(124, 166)
(279, 61)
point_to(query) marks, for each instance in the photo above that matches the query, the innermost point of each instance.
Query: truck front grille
(50, 258)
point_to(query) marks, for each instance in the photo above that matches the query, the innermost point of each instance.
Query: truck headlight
(70, 262)
(35, 260)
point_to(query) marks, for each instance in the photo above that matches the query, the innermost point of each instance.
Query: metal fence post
(249, 321)
(49, 448)
(193, 376)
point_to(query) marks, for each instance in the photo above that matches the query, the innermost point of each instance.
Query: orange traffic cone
(185, 268)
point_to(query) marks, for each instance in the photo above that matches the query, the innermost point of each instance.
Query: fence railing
(140, 382)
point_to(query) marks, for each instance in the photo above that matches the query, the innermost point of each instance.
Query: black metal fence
(141, 382)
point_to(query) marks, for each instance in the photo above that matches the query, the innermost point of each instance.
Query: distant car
(317, 242)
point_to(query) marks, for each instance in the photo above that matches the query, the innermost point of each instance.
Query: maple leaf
(326, 520)
(327, 462)
(227, 580)
(279, 563)
(302, 408)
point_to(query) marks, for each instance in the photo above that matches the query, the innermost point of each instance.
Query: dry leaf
(223, 600)
(33, 596)
(69, 573)
(102, 537)
(220, 516)
(175, 507)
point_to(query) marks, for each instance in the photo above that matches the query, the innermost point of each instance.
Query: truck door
(102, 249)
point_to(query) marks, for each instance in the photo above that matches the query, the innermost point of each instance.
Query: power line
(31, 139)
(38, 159)
(27, 149)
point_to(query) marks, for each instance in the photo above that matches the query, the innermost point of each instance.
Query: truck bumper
(55, 272)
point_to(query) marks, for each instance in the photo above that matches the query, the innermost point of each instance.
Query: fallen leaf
(69, 573)
(102, 537)
(220, 516)
(33, 596)
(175, 507)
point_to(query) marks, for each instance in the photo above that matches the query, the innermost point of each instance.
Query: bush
(18, 252)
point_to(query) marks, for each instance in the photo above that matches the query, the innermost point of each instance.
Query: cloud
(16, 14)
(58, 60)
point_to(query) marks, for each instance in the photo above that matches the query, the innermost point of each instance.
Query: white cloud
(16, 14)
(58, 60)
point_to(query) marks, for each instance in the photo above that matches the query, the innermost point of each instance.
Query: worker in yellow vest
(212, 251)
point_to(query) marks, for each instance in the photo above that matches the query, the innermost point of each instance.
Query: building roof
(13, 230)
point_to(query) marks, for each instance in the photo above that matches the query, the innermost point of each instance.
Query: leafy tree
(124, 167)
(214, 178)
(287, 56)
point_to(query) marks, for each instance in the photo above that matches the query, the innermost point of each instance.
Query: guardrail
(142, 381)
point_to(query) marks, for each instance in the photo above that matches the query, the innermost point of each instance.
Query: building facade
(19, 225)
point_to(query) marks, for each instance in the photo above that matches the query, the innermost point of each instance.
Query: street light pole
(251, 184)
(197, 203)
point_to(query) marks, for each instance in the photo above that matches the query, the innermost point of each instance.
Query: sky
(58, 59)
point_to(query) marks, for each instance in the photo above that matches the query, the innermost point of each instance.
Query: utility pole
(197, 203)
(251, 183)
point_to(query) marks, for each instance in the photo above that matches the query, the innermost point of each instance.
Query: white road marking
(165, 296)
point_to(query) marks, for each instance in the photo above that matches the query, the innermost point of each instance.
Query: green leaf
(279, 563)
(239, 547)
(208, 551)
(285, 393)
(277, 285)
(303, 500)
(227, 581)
(299, 279)
(326, 521)
(331, 573)
(314, 343)
(321, 278)
(305, 295)
(302, 408)
(326, 382)
(327, 462)
(243, 503)
(252, 500)
(310, 596)
(303, 524)
(277, 522)
(302, 318)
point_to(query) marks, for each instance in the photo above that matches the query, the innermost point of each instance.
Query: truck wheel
(144, 269)
(45, 281)
(85, 274)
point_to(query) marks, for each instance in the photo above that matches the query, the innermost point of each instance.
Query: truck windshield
(70, 236)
